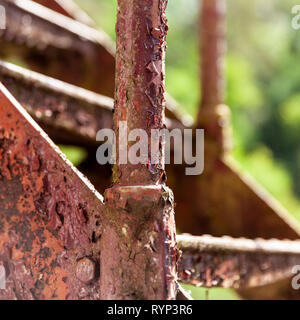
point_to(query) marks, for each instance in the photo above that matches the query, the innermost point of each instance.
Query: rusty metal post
(138, 257)
(213, 115)
(213, 47)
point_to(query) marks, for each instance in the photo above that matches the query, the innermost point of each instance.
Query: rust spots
(42, 213)
(235, 263)
(139, 239)
(140, 61)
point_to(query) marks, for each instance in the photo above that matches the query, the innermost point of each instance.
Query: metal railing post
(138, 258)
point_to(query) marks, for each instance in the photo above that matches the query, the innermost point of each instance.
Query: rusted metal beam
(68, 8)
(236, 263)
(65, 49)
(245, 221)
(69, 114)
(228, 202)
(140, 208)
(51, 217)
(49, 241)
(59, 46)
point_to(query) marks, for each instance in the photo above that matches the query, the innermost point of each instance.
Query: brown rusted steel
(236, 263)
(140, 260)
(64, 49)
(68, 8)
(51, 252)
(212, 47)
(38, 186)
(69, 114)
(243, 224)
(228, 202)
(59, 46)
(51, 217)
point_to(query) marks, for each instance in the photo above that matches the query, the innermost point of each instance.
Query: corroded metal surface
(69, 114)
(140, 226)
(58, 46)
(73, 115)
(51, 217)
(236, 263)
(140, 240)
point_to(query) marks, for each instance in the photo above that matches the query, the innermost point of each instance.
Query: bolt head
(85, 270)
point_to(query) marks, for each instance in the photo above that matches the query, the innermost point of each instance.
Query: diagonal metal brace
(51, 216)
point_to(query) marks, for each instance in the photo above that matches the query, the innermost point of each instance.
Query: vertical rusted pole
(138, 257)
(213, 115)
(212, 47)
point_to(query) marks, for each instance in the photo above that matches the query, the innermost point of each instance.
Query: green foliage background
(263, 87)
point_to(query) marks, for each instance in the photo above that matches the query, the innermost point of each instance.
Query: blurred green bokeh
(263, 87)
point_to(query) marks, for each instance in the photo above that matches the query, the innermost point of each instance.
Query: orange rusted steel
(236, 263)
(53, 221)
(69, 114)
(244, 224)
(51, 217)
(48, 186)
(140, 208)
(68, 8)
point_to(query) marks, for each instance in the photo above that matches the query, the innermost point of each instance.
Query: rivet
(85, 270)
